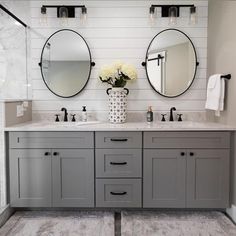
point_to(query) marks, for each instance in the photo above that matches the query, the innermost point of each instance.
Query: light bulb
(173, 12)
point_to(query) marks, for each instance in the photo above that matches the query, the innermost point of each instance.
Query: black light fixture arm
(13, 16)
(55, 6)
(70, 9)
(173, 5)
(165, 8)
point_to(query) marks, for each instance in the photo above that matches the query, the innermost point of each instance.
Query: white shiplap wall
(118, 30)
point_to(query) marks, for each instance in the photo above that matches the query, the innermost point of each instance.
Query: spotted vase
(117, 104)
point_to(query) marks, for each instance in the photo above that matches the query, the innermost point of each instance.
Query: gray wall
(221, 59)
(10, 113)
(222, 50)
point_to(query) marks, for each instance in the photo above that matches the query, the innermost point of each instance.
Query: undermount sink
(76, 123)
(66, 124)
(173, 124)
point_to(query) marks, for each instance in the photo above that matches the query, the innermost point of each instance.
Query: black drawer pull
(119, 139)
(191, 154)
(118, 163)
(118, 194)
(47, 153)
(182, 154)
(55, 153)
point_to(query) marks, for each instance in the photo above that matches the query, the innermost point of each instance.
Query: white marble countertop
(129, 126)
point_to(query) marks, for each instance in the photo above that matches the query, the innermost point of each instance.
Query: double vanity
(131, 165)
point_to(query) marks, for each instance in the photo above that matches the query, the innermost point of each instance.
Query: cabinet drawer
(118, 163)
(51, 140)
(186, 139)
(118, 139)
(118, 193)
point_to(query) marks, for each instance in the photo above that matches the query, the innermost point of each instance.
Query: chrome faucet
(171, 113)
(65, 114)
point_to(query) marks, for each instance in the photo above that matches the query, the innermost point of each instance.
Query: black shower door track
(13, 16)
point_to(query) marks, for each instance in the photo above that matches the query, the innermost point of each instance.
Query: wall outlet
(19, 110)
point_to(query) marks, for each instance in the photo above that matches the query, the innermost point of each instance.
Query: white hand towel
(215, 94)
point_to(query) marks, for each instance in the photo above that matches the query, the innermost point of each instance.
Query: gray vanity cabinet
(73, 178)
(59, 175)
(30, 178)
(195, 175)
(164, 174)
(127, 169)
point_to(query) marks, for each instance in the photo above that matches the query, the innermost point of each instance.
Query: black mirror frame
(197, 63)
(90, 57)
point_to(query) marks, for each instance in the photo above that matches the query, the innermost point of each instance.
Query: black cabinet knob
(182, 154)
(191, 154)
(47, 153)
(55, 153)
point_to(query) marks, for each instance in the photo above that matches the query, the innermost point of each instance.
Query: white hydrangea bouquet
(117, 74)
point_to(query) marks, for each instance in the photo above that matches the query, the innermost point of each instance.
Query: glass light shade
(152, 14)
(43, 20)
(63, 15)
(63, 12)
(83, 15)
(173, 13)
(193, 16)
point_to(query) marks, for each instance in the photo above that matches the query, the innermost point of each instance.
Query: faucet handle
(73, 117)
(163, 117)
(179, 117)
(57, 118)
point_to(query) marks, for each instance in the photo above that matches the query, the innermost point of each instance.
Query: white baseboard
(232, 212)
(5, 214)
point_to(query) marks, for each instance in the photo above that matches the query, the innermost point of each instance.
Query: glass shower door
(13, 79)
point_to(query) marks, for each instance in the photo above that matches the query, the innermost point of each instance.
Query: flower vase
(117, 104)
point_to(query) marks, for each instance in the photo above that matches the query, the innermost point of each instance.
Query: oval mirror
(171, 63)
(65, 63)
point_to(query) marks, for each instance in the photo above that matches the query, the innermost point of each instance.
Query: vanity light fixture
(173, 12)
(65, 11)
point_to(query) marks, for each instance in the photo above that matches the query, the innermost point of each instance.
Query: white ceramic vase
(117, 104)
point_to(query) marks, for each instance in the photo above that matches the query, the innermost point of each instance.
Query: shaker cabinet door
(164, 178)
(73, 177)
(30, 178)
(208, 178)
